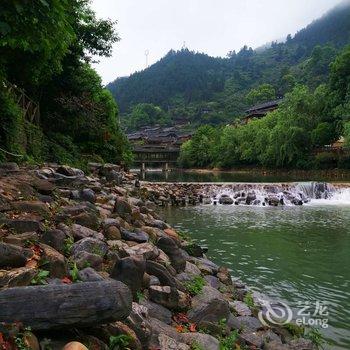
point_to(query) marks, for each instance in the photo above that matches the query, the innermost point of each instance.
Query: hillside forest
(46, 50)
(210, 95)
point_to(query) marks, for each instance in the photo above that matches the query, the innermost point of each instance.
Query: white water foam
(305, 193)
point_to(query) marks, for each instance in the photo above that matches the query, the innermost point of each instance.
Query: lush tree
(35, 36)
(200, 150)
(262, 93)
(146, 114)
(46, 47)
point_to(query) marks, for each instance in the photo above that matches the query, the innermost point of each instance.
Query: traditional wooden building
(260, 110)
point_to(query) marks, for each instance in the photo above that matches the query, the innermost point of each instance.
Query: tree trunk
(66, 305)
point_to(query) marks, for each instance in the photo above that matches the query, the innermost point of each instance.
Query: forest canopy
(305, 121)
(46, 48)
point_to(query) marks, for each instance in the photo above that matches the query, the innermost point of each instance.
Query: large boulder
(139, 237)
(130, 271)
(157, 311)
(32, 207)
(165, 296)
(90, 245)
(55, 262)
(80, 232)
(55, 239)
(122, 207)
(208, 307)
(18, 277)
(13, 256)
(176, 255)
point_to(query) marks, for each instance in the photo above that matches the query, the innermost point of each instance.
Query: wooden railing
(31, 109)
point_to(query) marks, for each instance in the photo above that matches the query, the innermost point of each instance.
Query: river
(298, 255)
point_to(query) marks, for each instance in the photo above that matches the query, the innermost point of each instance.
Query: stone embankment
(87, 263)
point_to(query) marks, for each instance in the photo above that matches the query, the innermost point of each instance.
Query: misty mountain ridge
(199, 88)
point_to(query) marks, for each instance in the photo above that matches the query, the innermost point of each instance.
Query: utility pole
(147, 54)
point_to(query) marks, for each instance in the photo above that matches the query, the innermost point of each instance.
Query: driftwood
(59, 306)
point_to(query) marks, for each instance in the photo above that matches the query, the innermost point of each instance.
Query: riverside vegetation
(46, 49)
(86, 263)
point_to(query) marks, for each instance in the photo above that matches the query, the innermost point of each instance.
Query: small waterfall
(277, 195)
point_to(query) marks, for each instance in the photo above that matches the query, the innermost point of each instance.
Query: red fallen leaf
(180, 328)
(66, 280)
(32, 263)
(181, 318)
(36, 249)
(192, 328)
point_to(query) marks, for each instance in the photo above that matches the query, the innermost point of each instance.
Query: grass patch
(195, 286)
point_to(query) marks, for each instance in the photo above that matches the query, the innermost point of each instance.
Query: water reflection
(250, 176)
(291, 253)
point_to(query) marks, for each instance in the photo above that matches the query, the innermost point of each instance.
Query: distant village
(161, 145)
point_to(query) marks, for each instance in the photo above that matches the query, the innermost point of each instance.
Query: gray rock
(226, 200)
(160, 271)
(160, 327)
(56, 263)
(69, 171)
(31, 207)
(88, 195)
(24, 225)
(122, 207)
(147, 250)
(86, 259)
(157, 311)
(19, 277)
(276, 345)
(84, 214)
(80, 232)
(240, 308)
(166, 343)
(13, 256)
(90, 245)
(169, 247)
(130, 271)
(89, 275)
(55, 239)
(301, 344)
(249, 323)
(9, 167)
(22, 238)
(212, 281)
(205, 341)
(165, 296)
(251, 339)
(138, 321)
(154, 281)
(208, 307)
(139, 237)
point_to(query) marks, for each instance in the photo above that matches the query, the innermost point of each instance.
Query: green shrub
(325, 160)
(11, 125)
(195, 286)
(344, 162)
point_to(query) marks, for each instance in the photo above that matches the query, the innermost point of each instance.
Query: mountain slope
(188, 83)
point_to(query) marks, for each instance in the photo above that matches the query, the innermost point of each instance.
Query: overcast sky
(211, 26)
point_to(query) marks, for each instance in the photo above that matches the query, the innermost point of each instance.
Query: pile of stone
(87, 263)
(183, 194)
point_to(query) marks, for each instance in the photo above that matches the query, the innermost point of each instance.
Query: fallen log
(66, 305)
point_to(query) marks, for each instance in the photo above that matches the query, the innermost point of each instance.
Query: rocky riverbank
(87, 263)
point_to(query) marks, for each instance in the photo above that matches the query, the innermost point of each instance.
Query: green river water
(293, 254)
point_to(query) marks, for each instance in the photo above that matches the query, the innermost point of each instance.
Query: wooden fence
(31, 109)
